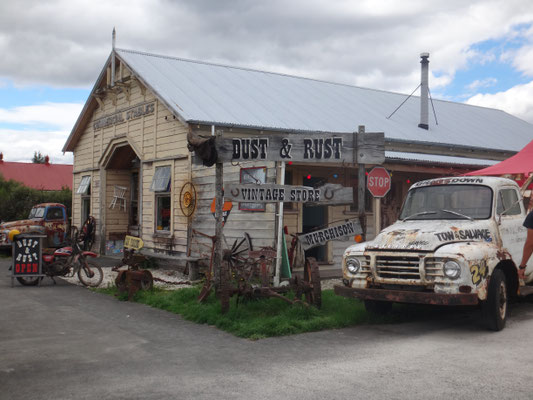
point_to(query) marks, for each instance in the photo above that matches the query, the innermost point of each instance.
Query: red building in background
(38, 176)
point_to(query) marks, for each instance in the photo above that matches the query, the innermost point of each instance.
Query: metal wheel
(237, 255)
(90, 274)
(147, 281)
(312, 276)
(188, 199)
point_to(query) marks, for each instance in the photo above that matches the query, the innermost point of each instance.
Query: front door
(314, 218)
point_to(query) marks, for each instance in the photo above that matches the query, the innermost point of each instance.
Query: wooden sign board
(333, 232)
(270, 193)
(361, 148)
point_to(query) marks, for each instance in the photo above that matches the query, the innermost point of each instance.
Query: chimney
(47, 160)
(424, 89)
(113, 57)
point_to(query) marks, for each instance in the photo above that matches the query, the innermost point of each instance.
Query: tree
(38, 158)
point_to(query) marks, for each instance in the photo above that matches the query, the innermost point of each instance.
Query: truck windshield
(37, 212)
(448, 202)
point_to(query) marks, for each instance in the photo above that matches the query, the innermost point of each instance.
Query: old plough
(246, 273)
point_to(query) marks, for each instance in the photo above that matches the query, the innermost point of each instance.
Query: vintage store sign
(334, 232)
(366, 148)
(122, 116)
(270, 193)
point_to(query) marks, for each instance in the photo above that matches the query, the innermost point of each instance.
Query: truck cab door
(55, 226)
(510, 214)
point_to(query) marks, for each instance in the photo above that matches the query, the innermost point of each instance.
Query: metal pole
(277, 275)
(361, 190)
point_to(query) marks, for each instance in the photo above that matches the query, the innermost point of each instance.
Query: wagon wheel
(237, 256)
(188, 199)
(87, 233)
(312, 276)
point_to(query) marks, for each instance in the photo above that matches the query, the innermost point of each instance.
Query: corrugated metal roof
(38, 176)
(222, 95)
(391, 156)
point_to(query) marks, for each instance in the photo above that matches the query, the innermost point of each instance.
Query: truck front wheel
(495, 307)
(378, 307)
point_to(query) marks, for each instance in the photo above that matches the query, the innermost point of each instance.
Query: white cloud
(59, 115)
(517, 101)
(484, 83)
(375, 43)
(20, 145)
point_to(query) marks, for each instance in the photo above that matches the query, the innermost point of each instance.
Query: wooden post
(221, 275)
(361, 190)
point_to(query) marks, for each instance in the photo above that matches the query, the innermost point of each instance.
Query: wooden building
(131, 159)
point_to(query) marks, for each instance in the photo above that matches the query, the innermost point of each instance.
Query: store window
(85, 190)
(85, 185)
(255, 175)
(161, 186)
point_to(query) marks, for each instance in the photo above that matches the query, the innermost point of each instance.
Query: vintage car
(458, 241)
(49, 219)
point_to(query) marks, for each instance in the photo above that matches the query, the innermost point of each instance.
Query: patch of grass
(257, 319)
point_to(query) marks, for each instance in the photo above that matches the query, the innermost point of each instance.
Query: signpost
(362, 148)
(271, 193)
(333, 232)
(379, 184)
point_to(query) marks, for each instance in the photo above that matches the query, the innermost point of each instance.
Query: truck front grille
(398, 267)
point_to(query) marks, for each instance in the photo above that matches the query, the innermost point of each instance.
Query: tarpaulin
(520, 163)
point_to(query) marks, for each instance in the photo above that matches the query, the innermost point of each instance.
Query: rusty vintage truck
(458, 241)
(50, 219)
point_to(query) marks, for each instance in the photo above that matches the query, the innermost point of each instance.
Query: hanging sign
(270, 193)
(226, 209)
(362, 148)
(333, 232)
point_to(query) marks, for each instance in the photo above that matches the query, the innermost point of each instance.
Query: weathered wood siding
(157, 138)
(260, 225)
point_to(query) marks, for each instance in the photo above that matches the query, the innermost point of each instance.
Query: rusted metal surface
(400, 296)
(55, 229)
(130, 282)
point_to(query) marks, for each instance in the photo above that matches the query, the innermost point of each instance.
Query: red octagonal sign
(378, 182)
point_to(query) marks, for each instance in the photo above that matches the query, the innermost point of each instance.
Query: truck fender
(481, 258)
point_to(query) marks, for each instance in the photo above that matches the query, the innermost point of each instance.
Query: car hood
(428, 235)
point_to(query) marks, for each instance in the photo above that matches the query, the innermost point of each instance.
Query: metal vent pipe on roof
(424, 90)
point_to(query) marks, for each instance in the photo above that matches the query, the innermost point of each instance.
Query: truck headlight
(353, 265)
(452, 269)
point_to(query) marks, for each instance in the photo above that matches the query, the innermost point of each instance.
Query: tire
(378, 307)
(495, 307)
(28, 281)
(85, 277)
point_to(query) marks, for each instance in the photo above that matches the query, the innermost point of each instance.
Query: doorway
(314, 218)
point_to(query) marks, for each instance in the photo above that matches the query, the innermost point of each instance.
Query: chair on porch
(119, 197)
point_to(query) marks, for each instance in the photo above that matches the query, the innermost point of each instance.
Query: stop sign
(378, 182)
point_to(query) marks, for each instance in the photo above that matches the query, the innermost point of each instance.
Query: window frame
(85, 185)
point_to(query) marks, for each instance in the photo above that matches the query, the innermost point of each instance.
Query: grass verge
(256, 319)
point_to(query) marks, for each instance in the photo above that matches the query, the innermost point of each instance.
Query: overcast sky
(481, 52)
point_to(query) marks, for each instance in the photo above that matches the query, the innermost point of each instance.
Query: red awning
(520, 163)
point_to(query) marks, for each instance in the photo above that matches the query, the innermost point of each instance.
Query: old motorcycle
(68, 262)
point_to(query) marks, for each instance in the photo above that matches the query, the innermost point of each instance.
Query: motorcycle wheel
(91, 275)
(28, 281)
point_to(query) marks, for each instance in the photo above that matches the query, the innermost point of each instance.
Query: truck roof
(49, 205)
(491, 181)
